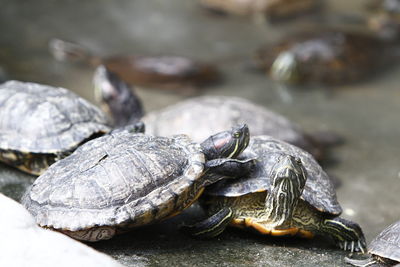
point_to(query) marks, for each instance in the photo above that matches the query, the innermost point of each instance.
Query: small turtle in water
(124, 180)
(272, 9)
(286, 194)
(327, 57)
(41, 124)
(385, 18)
(384, 250)
(146, 71)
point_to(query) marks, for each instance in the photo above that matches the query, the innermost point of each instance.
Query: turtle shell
(387, 243)
(37, 118)
(318, 191)
(117, 179)
(202, 116)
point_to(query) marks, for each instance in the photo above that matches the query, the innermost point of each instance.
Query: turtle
(271, 9)
(287, 193)
(40, 124)
(124, 180)
(385, 19)
(384, 250)
(167, 71)
(201, 116)
(328, 57)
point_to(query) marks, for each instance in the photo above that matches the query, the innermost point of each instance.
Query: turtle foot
(353, 246)
(347, 234)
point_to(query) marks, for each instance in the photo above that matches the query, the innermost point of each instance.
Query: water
(365, 114)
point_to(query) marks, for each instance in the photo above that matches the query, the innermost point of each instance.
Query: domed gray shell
(115, 179)
(44, 119)
(318, 191)
(202, 116)
(387, 243)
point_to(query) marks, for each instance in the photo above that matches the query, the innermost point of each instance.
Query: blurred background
(365, 113)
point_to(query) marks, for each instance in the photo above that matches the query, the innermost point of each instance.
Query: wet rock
(26, 244)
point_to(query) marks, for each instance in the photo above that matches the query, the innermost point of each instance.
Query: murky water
(366, 113)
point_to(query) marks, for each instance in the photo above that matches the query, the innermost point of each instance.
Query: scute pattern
(37, 118)
(120, 178)
(202, 116)
(387, 243)
(318, 191)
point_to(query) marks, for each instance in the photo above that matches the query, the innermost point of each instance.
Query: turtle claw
(353, 246)
(361, 246)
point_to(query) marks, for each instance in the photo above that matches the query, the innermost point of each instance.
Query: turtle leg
(288, 178)
(212, 226)
(218, 169)
(230, 167)
(346, 234)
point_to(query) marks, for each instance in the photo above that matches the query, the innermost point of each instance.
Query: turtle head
(116, 97)
(289, 170)
(284, 68)
(288, 177)
(227, 144)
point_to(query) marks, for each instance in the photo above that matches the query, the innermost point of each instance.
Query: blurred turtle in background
(384, 250)
(271, 9)
(323, 57)
(199, 117)
(385, 18)
(147, 71)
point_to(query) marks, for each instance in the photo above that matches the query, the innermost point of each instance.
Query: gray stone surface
(26, 244)
(366, 114)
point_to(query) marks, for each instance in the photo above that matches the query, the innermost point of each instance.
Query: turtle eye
(299, 161)
(236, 134)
